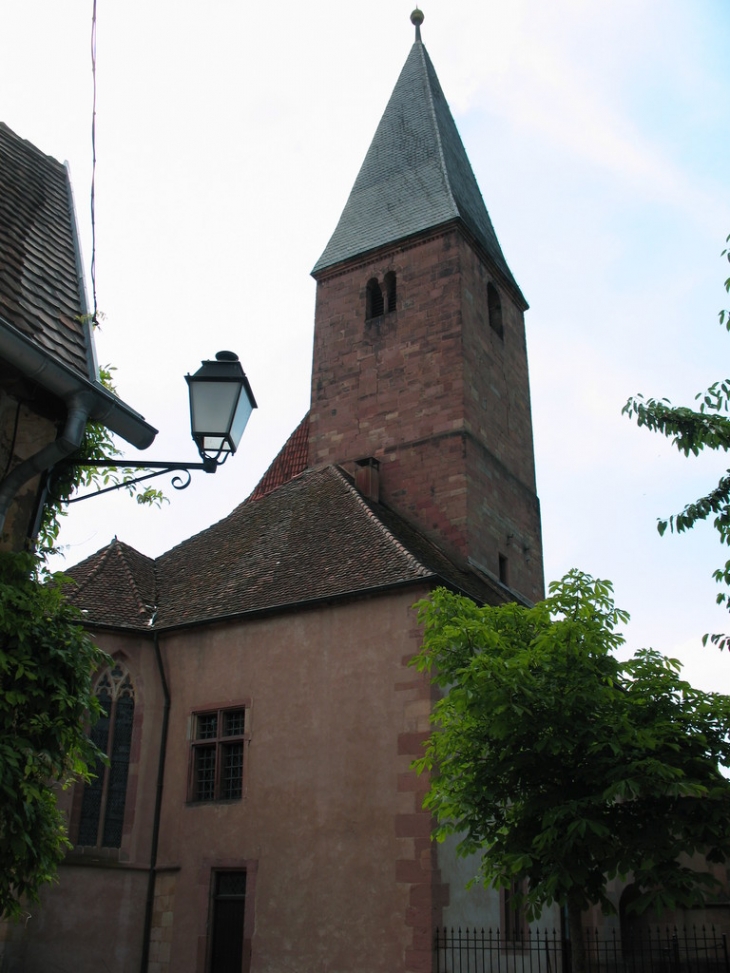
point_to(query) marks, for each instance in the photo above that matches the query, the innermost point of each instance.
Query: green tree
(46, 701)
(691, 431)
(559, 764)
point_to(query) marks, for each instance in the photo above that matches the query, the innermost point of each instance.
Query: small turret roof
(415, 177)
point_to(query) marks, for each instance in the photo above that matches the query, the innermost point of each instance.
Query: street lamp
(221, 403)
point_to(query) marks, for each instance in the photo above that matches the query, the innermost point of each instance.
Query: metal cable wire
(93, 167)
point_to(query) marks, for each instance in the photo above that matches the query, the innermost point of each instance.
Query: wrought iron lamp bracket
(208, 464)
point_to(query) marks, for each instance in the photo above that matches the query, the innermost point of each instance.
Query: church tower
(420, 381)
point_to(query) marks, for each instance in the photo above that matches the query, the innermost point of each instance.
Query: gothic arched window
(102, 806)
(374, 305)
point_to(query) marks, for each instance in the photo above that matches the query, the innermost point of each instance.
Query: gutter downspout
(63, 381)
(151, 881)
(79, 405)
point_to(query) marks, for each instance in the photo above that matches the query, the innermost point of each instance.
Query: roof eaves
(56, 376)
(91, 362)
(298, 604)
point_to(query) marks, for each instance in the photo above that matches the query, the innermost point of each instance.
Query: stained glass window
(104, 798)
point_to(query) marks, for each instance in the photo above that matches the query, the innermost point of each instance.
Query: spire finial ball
(417, 17)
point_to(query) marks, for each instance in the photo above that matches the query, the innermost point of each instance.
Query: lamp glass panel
(215, 444)
(212, 406)
(240, 419)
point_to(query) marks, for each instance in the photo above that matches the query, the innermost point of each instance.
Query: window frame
(218, 899)
(209, 868)
(113, 684)
(218, 743)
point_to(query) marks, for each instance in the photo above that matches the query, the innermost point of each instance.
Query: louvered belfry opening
(374, 304)
(494, 309)
(390, 291)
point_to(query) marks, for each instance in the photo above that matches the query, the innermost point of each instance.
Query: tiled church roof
(311, 539)
(117, 582)
(290, 461)
(39, 283)
(416, 176)
(307, 535)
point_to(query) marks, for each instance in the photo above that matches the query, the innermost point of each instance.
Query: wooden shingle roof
(40, 290)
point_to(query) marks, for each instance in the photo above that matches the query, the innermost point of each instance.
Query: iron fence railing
(655, 951)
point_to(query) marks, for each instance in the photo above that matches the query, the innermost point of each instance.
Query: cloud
(566, 78)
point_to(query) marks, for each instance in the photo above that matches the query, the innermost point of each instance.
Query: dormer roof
(416, 176)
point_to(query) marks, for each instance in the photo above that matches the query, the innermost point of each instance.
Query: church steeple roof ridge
(416, 175)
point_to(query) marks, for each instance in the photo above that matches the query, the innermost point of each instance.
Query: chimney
(367, 478)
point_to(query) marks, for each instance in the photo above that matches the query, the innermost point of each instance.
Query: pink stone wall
(330, 821)
(96, 910)
(438, 397)
(342, 876)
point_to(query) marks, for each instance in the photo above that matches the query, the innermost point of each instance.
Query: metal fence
(655, 951)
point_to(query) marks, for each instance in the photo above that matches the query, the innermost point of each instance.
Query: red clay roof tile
(290, 462)
(116, 586)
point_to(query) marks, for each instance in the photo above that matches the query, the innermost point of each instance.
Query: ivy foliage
(692, 430)
(97, 444)
(558, 764)
(47, 663)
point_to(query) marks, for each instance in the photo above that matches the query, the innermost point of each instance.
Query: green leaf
(557, 763)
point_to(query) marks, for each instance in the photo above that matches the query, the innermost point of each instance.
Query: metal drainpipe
(149, 904)
(79, 407)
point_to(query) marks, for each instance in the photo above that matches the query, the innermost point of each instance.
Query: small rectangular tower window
(503, 569)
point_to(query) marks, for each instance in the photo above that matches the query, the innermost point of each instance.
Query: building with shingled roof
(49, 383)
(259, 812)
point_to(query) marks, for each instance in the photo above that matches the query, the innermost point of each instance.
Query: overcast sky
(228, 138)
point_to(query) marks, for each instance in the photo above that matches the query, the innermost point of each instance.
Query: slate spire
(416, 175)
